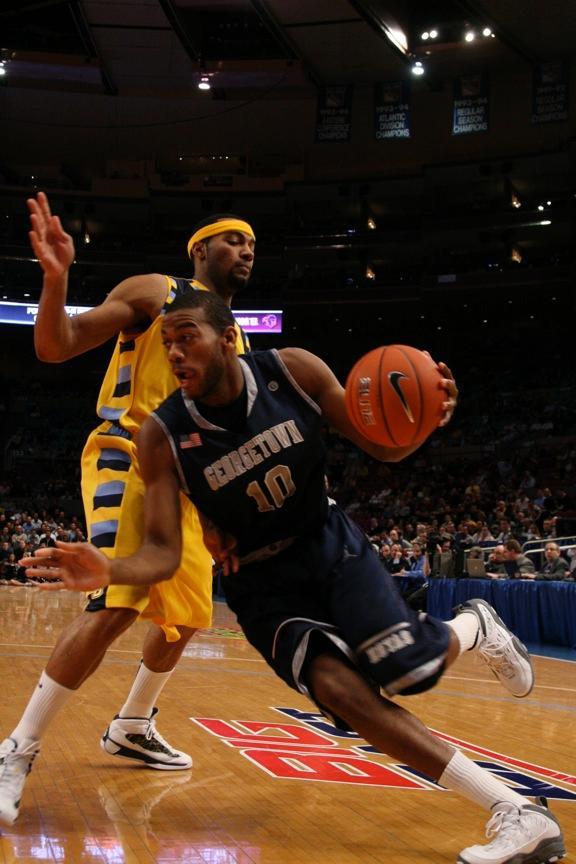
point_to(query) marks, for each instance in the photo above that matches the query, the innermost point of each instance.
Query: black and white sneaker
(15, 764)
(137, 738)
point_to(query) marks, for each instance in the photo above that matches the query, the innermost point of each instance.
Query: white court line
(445, 677)
(497, 683)
(133, 651)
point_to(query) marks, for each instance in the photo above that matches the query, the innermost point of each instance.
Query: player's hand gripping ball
(394, 396)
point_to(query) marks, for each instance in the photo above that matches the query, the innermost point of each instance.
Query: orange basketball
(394, 395)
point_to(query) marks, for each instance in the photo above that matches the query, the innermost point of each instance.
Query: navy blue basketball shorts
(333, 585)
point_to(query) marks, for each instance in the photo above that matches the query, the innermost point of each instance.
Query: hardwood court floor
(81, 805)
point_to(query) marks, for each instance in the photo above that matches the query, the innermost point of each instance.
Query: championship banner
(334, 113)
(471, 104)
(550, 92)
(392, 116)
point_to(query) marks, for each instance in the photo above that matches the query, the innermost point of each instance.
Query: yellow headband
(221, 227)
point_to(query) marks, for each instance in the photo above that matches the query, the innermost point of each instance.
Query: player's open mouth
(182, 375)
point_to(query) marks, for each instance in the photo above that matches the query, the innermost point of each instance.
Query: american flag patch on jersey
(191, 440)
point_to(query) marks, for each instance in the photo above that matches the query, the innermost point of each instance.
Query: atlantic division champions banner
(471, 105)
(550, 92)
(392, 115)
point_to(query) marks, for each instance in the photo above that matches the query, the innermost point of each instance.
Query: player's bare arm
(318, 380)
(82, 567)
(130, 306)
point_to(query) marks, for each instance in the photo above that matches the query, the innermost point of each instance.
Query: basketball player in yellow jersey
(138, 379)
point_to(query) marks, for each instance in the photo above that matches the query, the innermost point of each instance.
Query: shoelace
(152, 732)
(11, 767)
(504, 827)
(496, 650)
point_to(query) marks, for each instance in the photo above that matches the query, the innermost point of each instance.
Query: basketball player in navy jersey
(242, 438)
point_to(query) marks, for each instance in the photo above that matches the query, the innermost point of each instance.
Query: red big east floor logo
(313, 750)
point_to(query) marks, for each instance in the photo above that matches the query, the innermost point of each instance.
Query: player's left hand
(77, 566)
(222, 546)
(449, 384)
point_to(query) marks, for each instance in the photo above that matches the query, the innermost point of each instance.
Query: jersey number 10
(279, 485)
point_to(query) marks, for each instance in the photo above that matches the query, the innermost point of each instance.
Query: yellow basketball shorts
(113, 495)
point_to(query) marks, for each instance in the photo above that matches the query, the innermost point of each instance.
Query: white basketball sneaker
(15, 765)
(137, 738)
(522, 835)
(504, 654)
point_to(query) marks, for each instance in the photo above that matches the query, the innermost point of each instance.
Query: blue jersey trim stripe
(109, 494)
(108, 454)
(115, 487)
(110, 526)
(108, 413)
(125, 373)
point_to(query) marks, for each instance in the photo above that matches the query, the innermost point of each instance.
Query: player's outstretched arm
(318, 380)
(57, 337)
(82, 567)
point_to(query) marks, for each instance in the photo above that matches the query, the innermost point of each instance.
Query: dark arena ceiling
(101, 108)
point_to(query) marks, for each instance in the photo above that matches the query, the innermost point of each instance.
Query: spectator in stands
(504, 531)
(484, 536)
(5, 551)
(21, 548)
(47, 535)
(385, 554)
(515, 564)
(13, 573)
(418, 561)
(463, 539)
(531, 531)
(495, 567)
(398, 562)
(395, 535)
(555, 567)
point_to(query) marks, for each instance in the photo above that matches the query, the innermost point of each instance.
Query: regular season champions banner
(392, 115)
(334, 112)
(550, 92)
(471, 105)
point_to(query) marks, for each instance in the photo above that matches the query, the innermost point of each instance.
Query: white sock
(466, 627)
(44, 704)
(475, 783)
(145, 690)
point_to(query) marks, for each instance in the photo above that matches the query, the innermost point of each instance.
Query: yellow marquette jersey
(137, 380)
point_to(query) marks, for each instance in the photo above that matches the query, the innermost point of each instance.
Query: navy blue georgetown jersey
(262, 480)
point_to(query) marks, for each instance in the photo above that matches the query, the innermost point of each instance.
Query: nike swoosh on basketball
(394, 378)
